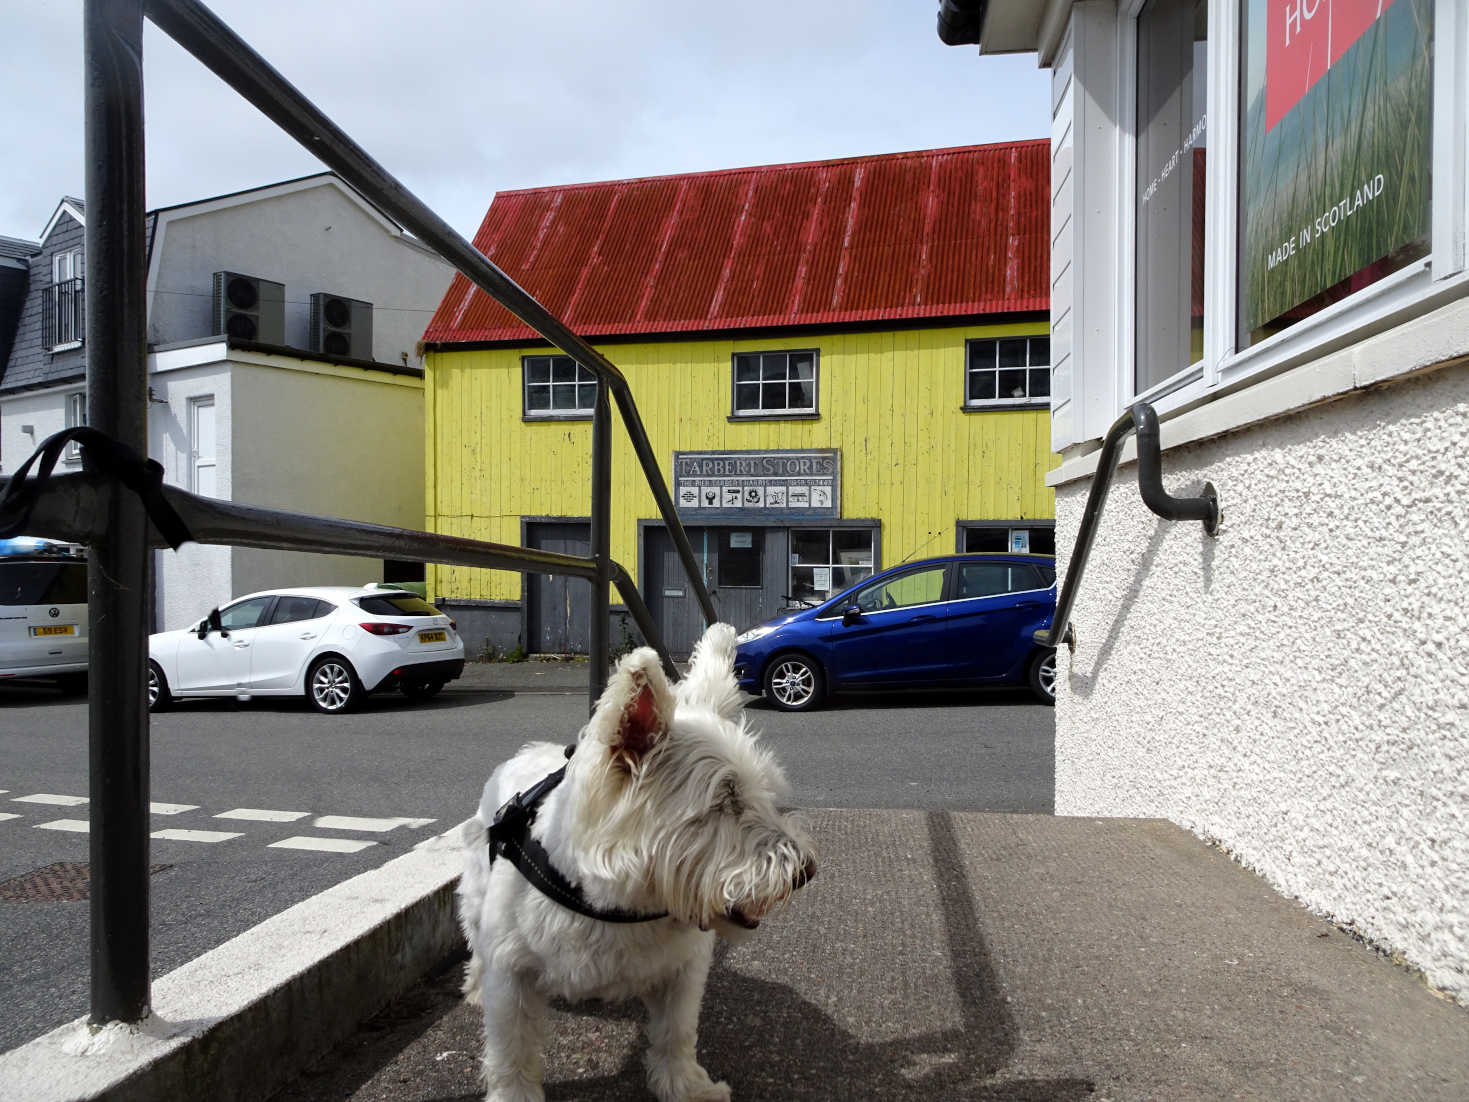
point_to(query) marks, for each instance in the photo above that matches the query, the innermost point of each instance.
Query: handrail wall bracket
(1142, 419)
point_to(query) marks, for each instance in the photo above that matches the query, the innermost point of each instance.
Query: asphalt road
(232, 781)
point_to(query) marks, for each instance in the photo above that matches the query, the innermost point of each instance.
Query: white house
(283, 325)
(1259, 220)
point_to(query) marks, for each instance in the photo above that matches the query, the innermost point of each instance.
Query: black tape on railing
(100, 455)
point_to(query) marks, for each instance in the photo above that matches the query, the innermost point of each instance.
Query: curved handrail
(1142, 419)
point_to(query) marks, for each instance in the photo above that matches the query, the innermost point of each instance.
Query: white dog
(666, 826)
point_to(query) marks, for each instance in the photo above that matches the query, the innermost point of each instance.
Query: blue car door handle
(923, 619)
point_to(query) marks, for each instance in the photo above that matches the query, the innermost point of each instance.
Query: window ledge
(529, 417)
(1002, 407)
(67, 347)
(1420, 345)
(733, 417)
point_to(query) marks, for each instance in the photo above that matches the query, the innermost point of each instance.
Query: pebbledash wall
(1295, 688)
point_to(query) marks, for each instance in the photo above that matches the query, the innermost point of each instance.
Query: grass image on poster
(1335, 152)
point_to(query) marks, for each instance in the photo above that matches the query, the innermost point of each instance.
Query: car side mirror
(212, 622)
(853, 615)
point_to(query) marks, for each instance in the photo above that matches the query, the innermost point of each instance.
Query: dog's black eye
(729, 797)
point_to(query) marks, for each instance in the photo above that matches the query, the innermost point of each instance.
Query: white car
(43, 612)
(334, 644)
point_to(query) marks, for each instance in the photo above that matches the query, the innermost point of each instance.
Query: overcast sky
(463, 98)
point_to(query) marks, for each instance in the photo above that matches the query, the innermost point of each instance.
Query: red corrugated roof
(935, 234)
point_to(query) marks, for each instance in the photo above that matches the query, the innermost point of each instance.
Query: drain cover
(62, 882)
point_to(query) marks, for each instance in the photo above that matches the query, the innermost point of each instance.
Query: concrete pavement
(957, 955)
(988, 956)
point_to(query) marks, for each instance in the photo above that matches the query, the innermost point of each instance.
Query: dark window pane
(803, 366)
(803, 394)
(852, 544)
(773, 365)
(586, 396)
(982, 353)
(563, 397)
(1040, 382)
(1012, 383)
(1043, 542)
(773, 396)
(396, 604)
(982, 579)
(747, 396)
(981, 386)
(811, 547)
(563, 370)
(538, 397)
(537, 369)
(1040, 350)
(1024, 577)
(747, 368)
(1012, 352)
(986, 539)
(740, 566)
(43, 583)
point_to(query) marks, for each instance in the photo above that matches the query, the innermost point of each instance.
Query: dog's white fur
(668, 805)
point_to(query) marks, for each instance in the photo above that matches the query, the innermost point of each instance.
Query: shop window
(1172, 72)
(827, 560)
(1007, 371)
(775, 384)
(76, 417)
(1336, 127)
(557, 387)
(1027, 539)
(739, 558)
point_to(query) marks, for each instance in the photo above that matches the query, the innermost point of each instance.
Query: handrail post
(116, 344)
(1142, 419)
(601, 543)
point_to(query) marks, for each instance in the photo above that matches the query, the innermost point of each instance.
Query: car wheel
(1043, 676)
(159, 698)
(332, 685)
(793, 683)
(420, 690)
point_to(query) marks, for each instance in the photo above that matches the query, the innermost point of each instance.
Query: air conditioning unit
(249, 309)
(341, 326)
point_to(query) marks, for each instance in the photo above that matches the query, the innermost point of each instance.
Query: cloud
(461, 98)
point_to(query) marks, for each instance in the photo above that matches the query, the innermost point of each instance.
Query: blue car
(948, 621)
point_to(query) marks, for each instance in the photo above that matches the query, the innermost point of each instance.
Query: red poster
(1304, 38)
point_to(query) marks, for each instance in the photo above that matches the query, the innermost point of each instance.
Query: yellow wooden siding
(891, 401)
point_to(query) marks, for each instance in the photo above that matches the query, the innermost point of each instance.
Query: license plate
(55, 629)
(432, 637)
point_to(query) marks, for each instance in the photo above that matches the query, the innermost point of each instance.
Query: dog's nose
(806, 873)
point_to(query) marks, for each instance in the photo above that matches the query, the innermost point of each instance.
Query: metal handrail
(210, 40)
(1143, 420)
(110, 518)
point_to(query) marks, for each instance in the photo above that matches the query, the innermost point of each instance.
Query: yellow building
(842, 365)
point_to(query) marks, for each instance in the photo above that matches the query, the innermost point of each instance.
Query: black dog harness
(510, 836)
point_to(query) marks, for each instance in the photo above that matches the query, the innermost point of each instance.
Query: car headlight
(753, 634)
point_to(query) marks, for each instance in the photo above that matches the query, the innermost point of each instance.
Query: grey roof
(18, 249)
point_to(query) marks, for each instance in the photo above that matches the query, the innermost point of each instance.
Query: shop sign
(748, 485)
(1335, 150)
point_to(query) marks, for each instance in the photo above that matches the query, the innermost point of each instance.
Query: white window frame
(1029, 401)
(829, 565)
(553, 360)
(76, 417)
(784, 411)
(1417, 288)
(66, 265)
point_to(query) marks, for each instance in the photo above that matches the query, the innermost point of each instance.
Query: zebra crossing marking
(325, 845)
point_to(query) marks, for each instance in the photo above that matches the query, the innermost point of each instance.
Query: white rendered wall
(337, 442)
(1295, 688)
(195, 578)
(44, 412)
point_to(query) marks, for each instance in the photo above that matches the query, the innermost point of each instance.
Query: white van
(43, 611)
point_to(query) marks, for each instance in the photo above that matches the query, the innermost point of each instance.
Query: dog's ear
(636, 709)
(711, 681)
